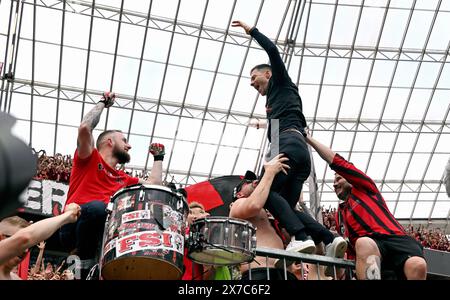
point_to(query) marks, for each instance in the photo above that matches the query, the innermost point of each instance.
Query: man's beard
(122, 156)
(344, 194)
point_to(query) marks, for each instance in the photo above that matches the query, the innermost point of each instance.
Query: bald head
(105, 135)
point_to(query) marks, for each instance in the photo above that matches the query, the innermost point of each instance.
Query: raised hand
(157, 150)
(108, 98)
(41, 245)
(241, 24)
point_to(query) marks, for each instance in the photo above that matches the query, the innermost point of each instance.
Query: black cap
(249, 176)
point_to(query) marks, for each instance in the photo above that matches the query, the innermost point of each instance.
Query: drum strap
(159, 216)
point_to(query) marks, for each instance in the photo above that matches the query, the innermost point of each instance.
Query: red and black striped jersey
(365, 212)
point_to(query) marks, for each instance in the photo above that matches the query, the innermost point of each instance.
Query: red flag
(22, 268)
(215, 194)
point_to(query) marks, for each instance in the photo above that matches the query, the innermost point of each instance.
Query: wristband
(158, 157)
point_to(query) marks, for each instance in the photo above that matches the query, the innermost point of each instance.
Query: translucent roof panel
(374, 77)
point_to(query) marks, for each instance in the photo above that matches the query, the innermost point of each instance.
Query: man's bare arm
(245, 208)
(325, 152)
(85, 142)
(158, 152)
(35, 233)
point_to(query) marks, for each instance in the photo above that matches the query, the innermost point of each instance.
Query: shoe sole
(340, 252)
(306, 250)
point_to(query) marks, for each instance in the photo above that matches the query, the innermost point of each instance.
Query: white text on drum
(136, 215)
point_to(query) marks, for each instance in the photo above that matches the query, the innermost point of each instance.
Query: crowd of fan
(329, 218)
(430, 238)
(55, 168)
(50, 272)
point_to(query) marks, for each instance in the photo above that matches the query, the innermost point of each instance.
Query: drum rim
(233, 220)
(250, 255)
(139, 186)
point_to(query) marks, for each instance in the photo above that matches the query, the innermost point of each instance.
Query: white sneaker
(336, 249)
(307, 246)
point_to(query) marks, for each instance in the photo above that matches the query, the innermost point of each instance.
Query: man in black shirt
(286, 135)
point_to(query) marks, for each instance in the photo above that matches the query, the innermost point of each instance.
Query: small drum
(221, 241)
(144, 234)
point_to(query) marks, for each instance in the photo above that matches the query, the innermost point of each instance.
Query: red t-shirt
(198, 272)
(93, 179)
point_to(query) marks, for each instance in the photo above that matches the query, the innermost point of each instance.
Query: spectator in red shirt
(94, 179)
(379, 241)
(196, 211)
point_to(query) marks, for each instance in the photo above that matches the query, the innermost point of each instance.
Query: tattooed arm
(85, 142)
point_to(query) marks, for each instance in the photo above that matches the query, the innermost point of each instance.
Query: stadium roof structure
(374, 77)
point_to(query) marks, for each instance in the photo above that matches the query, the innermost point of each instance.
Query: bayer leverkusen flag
(215, 194)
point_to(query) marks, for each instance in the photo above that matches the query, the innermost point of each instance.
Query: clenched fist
(108, 99)
(74, 211)
(157, 150)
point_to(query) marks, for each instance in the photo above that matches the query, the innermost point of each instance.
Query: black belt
(303, 132)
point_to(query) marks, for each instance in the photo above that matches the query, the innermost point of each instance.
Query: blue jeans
(85, 234)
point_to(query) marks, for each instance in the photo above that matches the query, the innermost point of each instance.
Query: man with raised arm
(95, 178)
(376, 236)
(248, 203)
(286, 124)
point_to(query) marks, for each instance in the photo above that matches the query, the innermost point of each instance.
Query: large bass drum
(144, 234)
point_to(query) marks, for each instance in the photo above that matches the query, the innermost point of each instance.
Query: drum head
(220, 257)
(140, 268)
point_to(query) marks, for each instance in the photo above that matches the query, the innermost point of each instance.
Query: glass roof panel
(394, 28)
(218, 13)
(345, 25)
(175, 77)
(335, 71)
(142, 122)
(369, 28)
(65, 145)
(151, 80)
(222, 92)
(100, 71)
(320, 22)
(329, 107)
(166, 8)
(226, 156)
(73, 69)
(198, 89)
(418, 29)
(182, 50)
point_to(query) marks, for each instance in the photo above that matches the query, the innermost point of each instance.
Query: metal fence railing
(339, 265)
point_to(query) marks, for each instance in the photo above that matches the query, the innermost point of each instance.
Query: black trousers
(285, 190)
